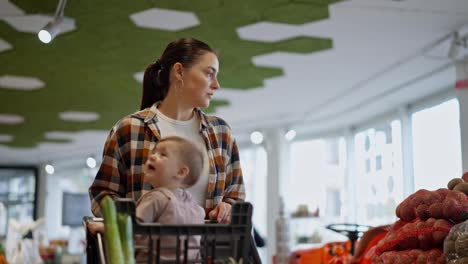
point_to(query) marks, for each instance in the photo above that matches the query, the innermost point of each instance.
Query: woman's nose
(215, 84)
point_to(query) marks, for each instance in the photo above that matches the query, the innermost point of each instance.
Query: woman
(175, 87)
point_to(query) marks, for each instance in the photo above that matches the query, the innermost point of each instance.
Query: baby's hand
(221, 213)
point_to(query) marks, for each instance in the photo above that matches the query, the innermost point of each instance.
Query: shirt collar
(151, 115)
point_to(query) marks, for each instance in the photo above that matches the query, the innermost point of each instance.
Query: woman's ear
(178, 70)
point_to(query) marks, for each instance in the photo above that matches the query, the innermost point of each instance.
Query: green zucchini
(124, 222)
(111, 232)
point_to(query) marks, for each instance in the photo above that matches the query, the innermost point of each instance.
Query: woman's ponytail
(155, 84)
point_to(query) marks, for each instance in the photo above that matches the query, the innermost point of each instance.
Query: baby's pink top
(171, 207)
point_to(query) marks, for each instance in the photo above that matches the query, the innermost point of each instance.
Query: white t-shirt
(189, 130)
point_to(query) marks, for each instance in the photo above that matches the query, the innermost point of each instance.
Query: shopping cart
(219, 243)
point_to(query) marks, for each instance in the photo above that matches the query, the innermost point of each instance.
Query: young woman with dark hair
(175, 87)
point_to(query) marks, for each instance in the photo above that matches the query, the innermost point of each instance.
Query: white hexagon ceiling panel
(10, 119)
(165, 19)
(9, 9)
(5, 138)
(34, 23)
(76, 116)
(20, 83)
(268, 32)
(4, 46)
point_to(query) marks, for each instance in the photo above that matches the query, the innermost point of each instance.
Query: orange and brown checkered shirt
(128, 146)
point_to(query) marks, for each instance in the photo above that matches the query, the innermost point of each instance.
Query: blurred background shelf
(18, 195)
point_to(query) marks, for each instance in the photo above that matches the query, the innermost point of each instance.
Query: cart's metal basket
(219, 243)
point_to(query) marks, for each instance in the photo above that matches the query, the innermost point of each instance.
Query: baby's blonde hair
(190, 155)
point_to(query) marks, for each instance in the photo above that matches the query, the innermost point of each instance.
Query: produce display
(440, 204)
(411, 256)
(433, 228)
(456, 244)
(418, 234)
(459, 184)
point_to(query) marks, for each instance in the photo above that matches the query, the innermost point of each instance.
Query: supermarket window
(379, 174)
(254, 169)
(436, 145)
(316, 178)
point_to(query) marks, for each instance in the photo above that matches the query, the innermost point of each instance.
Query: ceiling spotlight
(49, 169)
(91, 162)
(290, 135)
(52, 29)
(256, 137)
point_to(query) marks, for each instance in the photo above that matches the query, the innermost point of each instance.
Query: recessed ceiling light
(20, 82)
(8, 119)
(290, 134)
(256, 137)
(91, 162)
(49, 169)
(139, 76)
(79, 116)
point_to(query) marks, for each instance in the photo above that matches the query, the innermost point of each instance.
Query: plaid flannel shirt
(128, 146)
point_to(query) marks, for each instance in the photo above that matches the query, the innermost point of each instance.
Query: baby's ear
(183, 171)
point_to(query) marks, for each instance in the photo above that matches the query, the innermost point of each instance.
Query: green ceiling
(91, 69)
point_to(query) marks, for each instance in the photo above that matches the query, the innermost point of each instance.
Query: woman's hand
(221, 213)
(96, 227)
